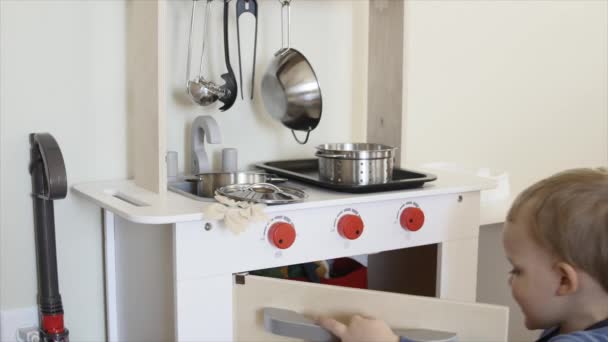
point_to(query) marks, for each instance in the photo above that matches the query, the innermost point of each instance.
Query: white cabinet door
(470, 321)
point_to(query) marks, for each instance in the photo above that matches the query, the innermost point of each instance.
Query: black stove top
(307, 171)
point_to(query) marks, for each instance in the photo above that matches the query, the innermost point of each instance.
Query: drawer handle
(292, 324)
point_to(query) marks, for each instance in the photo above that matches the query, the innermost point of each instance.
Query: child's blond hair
(568, 214)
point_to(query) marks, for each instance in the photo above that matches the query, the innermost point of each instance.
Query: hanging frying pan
(290, 89)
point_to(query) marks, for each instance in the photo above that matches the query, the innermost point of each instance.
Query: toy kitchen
(251, 240)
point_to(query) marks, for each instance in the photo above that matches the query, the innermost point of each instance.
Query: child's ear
(569, 282)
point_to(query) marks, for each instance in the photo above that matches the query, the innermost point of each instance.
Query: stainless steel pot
(262, 193)
(207, 183)
(290, 89)
(356, 163)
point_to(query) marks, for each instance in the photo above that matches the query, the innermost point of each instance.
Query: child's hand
(359, 330)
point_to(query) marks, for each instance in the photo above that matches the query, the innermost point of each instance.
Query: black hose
(48, 183)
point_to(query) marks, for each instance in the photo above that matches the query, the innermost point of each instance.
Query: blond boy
(556, 238)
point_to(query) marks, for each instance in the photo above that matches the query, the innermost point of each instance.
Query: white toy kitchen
(174, 273)
(170, 273)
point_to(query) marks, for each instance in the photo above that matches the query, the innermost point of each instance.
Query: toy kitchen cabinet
(171, 274)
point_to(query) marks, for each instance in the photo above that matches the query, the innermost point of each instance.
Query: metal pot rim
(335, 147)
(349, 151)
(199, 175)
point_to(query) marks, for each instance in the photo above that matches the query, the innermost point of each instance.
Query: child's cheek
(515, 290)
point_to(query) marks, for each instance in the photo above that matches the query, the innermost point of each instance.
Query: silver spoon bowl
(201, 92)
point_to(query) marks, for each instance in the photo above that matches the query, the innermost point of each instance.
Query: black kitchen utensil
(49, 183)
(230, 87)
(242, 7)
(307, 170)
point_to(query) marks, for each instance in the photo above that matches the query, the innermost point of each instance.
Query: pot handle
(274, 179)
(298, 140)
(329, 155)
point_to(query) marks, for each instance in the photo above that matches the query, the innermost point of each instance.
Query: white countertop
(494, 212)
(153, 208)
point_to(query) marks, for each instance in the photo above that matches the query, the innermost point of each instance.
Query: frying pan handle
(329, 155)
(285, 5)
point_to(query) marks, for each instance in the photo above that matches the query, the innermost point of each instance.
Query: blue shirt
(598, 332)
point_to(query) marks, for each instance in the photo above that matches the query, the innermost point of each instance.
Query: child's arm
(360, 329)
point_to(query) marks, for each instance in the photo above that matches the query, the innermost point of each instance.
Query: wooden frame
(146, 101)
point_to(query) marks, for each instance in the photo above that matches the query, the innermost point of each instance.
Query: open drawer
(252, 294)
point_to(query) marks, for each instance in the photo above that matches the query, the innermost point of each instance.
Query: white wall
(519, 86)
(63, 72)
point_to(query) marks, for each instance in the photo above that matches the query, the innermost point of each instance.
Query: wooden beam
(146, 101)
(385, 73)
(410, 270)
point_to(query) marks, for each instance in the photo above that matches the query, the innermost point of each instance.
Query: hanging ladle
(201, 91)
(206, 92)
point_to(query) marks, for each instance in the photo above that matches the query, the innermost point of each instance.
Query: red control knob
(350, 226)
(282, 235)
(412, 218)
